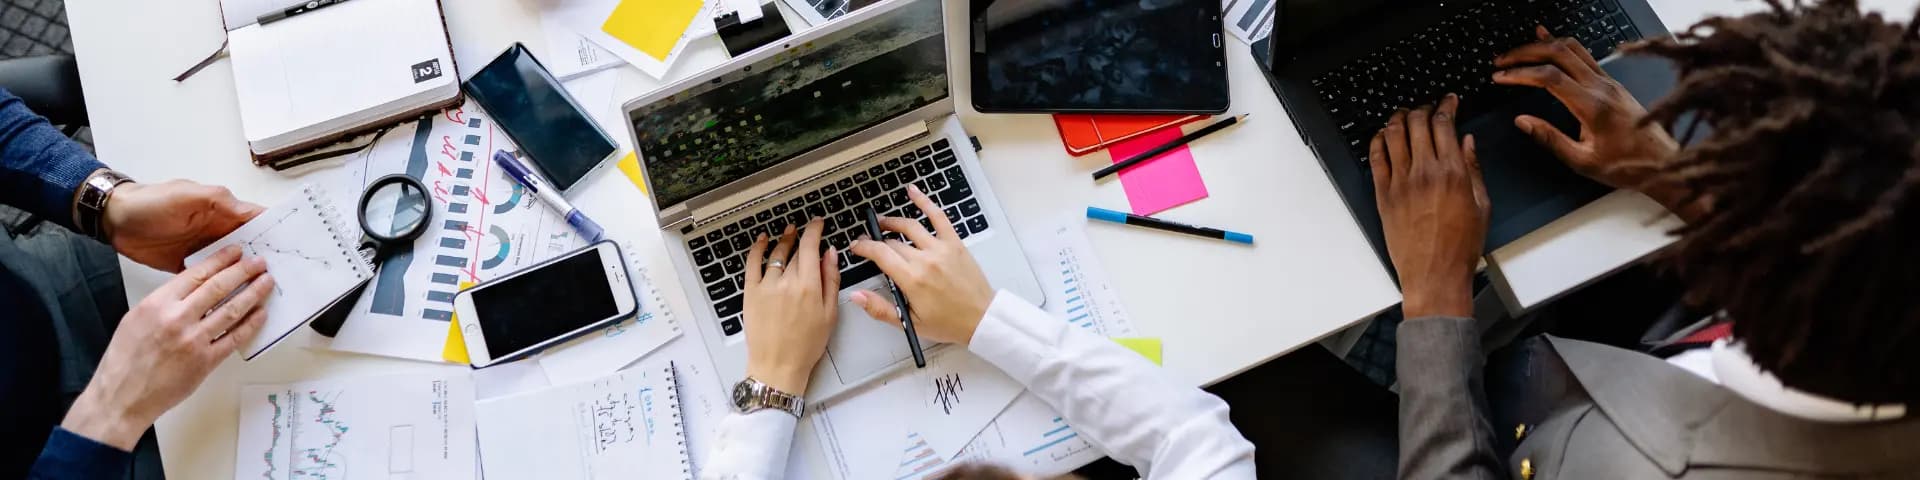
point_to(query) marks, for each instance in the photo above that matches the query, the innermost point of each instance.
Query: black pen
(1156, 151)
(899, 300)
(303, 7)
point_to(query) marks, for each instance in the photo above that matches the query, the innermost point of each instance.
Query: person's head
(987, 471)
(1811, 170)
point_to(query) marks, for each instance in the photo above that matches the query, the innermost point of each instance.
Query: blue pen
(527, 178)
(1098, 213)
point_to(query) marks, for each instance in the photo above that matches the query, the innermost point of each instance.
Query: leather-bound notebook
(346, 69)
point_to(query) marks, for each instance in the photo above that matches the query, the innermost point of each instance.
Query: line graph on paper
(294, 248)
(307, 437)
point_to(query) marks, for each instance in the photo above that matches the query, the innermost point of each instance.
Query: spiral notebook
(621, 426)
(312, 253)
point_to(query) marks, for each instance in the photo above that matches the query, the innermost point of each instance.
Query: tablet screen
(1099, 56)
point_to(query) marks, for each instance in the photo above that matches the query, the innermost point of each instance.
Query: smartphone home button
(473, 329)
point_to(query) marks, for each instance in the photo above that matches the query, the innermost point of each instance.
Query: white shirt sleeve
(751, 447)
(1112, 396)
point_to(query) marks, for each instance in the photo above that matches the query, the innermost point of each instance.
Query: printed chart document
(484, 225)
(625, 425)
(416, 426)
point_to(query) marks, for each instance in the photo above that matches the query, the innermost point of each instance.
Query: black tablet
(1098, 56)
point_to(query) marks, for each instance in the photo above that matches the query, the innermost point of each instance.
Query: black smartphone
(538, 114)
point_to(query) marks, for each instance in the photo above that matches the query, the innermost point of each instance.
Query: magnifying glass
(393, 212)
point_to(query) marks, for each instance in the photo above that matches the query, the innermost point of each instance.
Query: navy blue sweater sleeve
(40, 168)
(70, 456)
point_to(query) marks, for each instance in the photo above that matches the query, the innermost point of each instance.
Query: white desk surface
(1220, 308)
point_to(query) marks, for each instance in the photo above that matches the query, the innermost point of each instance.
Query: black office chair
(50, 85)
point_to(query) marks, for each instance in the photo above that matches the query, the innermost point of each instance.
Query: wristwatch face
(742, 394)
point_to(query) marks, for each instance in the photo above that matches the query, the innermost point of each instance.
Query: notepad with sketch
(312, 253)
(335, 72)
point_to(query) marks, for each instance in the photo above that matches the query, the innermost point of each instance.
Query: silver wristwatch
(751, 396)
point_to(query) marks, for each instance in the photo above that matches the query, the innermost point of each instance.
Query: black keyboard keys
(970, 207)
(711, 273)
(729, 307)
(977, 224)
(731, 326)
(703, 256)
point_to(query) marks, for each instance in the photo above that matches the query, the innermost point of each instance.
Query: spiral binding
(341, 232)
(679, 432)
(653, 290)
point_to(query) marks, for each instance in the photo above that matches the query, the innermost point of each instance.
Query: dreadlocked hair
(1810, 180)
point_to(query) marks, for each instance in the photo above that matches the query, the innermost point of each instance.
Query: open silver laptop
(839, 117)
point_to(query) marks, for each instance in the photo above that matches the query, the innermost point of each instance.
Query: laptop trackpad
(862, 346)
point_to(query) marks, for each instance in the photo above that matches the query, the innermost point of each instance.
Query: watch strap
(760, 396)
(90, 206)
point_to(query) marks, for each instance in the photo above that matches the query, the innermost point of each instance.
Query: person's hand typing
(160, 224)
(168, 343)
(945, 289)
(1433, 208)
(1614, 148)
(789, 308)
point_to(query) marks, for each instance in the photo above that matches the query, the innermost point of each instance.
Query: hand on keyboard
(945, 287)
(791, 297)
(1433, 208)
(1614, 148)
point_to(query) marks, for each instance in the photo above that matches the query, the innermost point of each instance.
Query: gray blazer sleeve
(1444, 430)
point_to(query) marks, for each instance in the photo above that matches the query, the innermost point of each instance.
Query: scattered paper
(572, 55)
(1164, 182)
(649, 34)
(1076, 284)
(1146, 347)
(651, 26)
(941, 408)
(1032, 438)
(418, 426)
(1249, 19)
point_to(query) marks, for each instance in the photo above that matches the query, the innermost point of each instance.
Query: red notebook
(1085, 133)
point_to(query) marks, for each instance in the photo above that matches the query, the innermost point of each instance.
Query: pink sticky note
(1166, 181)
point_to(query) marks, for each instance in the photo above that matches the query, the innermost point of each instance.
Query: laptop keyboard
(1455, 55)
(720, 255)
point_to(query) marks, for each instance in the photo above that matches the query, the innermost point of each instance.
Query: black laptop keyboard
(720, 255)
(1455, 55)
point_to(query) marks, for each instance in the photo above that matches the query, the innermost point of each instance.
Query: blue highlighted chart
(512, 200)
(503, 245)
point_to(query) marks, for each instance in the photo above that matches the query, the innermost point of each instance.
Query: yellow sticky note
(1145, 346)
(455, 349)
(630, 165)
(651, 26)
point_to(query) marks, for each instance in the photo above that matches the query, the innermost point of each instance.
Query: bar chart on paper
(1076, 284)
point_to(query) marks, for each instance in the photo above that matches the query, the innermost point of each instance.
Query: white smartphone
(543, 305)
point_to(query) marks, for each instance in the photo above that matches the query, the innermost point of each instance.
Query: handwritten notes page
(625, 425)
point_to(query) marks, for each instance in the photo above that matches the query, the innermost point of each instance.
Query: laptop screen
(755, 117)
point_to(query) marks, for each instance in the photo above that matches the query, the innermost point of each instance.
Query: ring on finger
(780, 264)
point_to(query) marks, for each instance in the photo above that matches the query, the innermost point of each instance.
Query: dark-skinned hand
(1433, 208)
